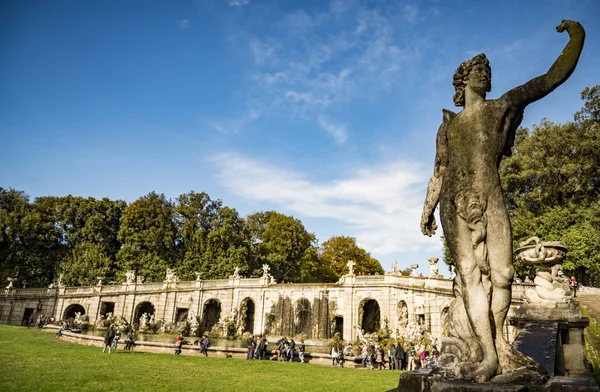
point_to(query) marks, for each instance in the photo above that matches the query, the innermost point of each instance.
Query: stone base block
(422, 381)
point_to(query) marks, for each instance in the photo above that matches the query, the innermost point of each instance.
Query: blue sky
(325, 110)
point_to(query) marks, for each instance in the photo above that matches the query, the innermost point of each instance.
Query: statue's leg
(499, 242)
(499, 247)
(475, 298)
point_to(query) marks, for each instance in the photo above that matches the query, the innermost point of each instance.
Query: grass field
(33, 360)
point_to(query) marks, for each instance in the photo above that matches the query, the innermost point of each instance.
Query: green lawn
(33, 360)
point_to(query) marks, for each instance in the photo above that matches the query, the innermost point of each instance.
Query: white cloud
(379, 205)
(337, 131)
(238, 3)
(184, 23)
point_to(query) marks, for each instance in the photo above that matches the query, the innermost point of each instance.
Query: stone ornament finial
(413, 270)
(350, 265)
(10, 283)
(265, 269)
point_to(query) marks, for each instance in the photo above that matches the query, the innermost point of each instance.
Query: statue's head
(481, 78)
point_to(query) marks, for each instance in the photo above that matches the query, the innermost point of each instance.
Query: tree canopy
(552, 187)
(85, 238)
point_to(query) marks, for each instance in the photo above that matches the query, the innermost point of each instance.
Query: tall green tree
(280, 241)
(148, 235)
(212, 239)
(30, 244)
(313, 269)
(552, 187)
(338, 250)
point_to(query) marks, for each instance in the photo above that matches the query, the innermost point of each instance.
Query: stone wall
(310, 310)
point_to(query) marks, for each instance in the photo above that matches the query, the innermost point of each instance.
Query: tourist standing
(399, 357)
(574, 286)
(178, 344)
(391, 356)
(108, 339)
(116, 339)
(364, 353)
(204, 345)
(129, 342)
(291, 350)
(263, 351)
(251, 345)
(301, 351)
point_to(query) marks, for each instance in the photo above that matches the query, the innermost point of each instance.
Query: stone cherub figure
(476, 226)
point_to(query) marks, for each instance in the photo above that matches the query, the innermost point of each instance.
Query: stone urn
(547, 258)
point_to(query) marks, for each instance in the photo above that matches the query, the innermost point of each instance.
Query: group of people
(112, 337)
(204, 344)
(374, 357)
(284, 349)
(338, 351)
(41, 321)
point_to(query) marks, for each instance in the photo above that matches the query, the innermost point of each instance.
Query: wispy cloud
(238, 3)
(337, 131)
(314, 61)
(379, 205)
(236, 124)
(184, 23)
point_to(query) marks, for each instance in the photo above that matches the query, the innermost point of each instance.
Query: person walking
(178, 344)
(301, 351)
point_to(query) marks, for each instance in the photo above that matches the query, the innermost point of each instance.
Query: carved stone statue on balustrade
(170, 276)
(434, 269)
(130, 277)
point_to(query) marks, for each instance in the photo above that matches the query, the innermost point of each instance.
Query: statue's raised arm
(560, 71)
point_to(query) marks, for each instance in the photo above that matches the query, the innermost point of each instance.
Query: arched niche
(247, 311)
(72, 310)
(211, 314)
(141, 308)
(370, 315)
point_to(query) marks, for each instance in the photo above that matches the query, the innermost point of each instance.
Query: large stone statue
(476, 226)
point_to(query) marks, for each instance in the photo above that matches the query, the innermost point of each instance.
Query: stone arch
(211, 314)
(141, 308)
(247, 311)
(402, 315)
(369, 315)
(303, 317)
(444, 320)
(72, 310)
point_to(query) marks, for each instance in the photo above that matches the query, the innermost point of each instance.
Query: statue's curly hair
(461, 75)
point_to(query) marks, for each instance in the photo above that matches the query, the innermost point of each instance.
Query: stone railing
(32, 291)
(369, 279)
(215, 283)
(250, 282)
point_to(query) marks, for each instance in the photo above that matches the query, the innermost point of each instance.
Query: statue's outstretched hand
(428, 224)
(567, 25)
